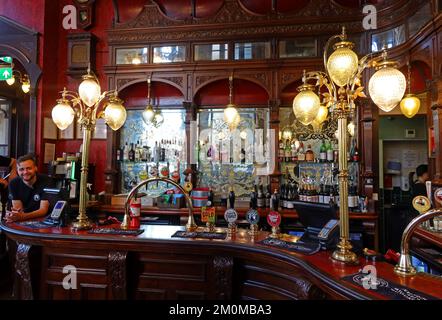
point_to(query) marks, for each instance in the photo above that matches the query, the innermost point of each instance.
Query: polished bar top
(431, 237)
(319, 265)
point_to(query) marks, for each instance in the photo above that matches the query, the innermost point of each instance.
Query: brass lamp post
(89, 104)
(342, 80)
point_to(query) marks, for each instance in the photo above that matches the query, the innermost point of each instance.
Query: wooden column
(274, 124)
(436, 110)
(369, 146)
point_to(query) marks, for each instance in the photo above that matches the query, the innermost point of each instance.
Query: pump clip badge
(274, 219)
(438, 196)
(422, 204)
(252, 216)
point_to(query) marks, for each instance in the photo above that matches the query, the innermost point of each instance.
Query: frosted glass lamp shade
(306, 105)
(89, 91)
(342, 64)
(387, 87)
(63, 114)
(410, 105)
(115, 114)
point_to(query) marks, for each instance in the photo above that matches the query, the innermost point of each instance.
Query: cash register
(58, 207)
(321, 225)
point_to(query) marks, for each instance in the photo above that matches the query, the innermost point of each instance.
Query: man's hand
(14, 215)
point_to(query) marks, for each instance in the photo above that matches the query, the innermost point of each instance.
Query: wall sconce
(23, 78)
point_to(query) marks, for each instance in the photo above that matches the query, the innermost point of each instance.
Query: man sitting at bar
(26, 192)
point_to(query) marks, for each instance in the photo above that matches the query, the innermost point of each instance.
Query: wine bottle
(274, 203)
(309, 154)
(268, 196)
(323, 152)
(131, 153)
(329, 151)
(260, 198)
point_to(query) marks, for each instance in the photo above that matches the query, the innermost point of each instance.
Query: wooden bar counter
(153, 265)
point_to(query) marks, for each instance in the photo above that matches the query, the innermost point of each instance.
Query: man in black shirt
(26, 192)
(419, 188)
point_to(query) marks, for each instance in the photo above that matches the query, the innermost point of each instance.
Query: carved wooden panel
(22, 282)
(117, 274)
(223, 269)
(168, 276)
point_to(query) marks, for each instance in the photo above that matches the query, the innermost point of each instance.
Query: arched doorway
(20, 109)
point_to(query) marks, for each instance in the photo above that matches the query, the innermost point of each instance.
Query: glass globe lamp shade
(410, 105)
(235, 123)
(342, 63)
(316, 125)
(26, 86)
(158, 118)
(148, 114)
(89, 91)
(115, 113)
(287, 133)
(11, 81)
(306, 105)
(322, 114)
(351, 128)
(63, 114)
(387, 87)
(230, 114)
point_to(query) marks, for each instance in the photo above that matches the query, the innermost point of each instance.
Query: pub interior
(224, 149)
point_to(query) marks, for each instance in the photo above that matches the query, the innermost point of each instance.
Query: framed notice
(67, 133)
(100, 130)
(49, 129)
(49, 154)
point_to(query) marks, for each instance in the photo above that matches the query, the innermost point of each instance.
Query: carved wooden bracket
(223, 267)
(22, 281)
(117, 273)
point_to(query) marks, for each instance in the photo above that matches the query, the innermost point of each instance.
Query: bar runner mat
(386, 288)
(201, 235)
(35, 225)
(299, 247)
(116, 231)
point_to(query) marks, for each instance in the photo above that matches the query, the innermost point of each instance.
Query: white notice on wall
(49, 152)
(410, 158)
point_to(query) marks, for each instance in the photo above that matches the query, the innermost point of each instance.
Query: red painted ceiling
(161, 93)
(182, 9)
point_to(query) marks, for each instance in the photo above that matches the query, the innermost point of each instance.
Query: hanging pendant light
(148, 113)
(306, 103)
(387, 85)
(231, 115)
(410, 104)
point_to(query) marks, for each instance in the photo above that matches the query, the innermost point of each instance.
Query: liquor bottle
(137, 152)
(232, 198)
(118, 154)
(309, 154)
(321, 194)
(268, 196)
(243, 155)
(323, 152)
(281, 150)
(126, 152)
(327, 194)
(329, 151)
(260, 198)
(210, 153)
(331, 202)
(210, 199)
(294, 152)
(274, 201)
(132, 153)
(162, 152)
(356, 154)
(287, 152)
(145, 154)
(290, 198)
(155, 152)
(351, 198)
(281, 196)
(301, 155)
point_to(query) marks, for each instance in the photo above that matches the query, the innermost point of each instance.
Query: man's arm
(17, 213)
(13, 172)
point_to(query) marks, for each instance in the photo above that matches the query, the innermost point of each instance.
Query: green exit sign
(5, 73)
(6, 59)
